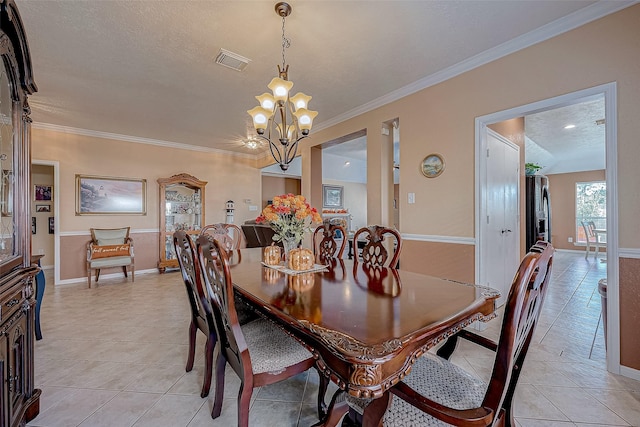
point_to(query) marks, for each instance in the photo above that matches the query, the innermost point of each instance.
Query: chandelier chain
(286, 43)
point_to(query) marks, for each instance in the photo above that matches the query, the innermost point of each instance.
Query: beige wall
(441, 119)
(42, 241)
(228, 177)
(562, 189)
(274, 186)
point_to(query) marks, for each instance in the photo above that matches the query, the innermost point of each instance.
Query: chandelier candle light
(279, 115)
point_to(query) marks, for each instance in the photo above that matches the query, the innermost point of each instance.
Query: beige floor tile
(170, 411)
(626, 404)
(528, 402)
(123, 410)
(72, 408)
(580, 406)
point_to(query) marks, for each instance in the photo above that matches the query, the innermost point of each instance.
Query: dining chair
(592, 238)
(374, 251)
(259, 352)
(200, 318)
(324, 241)
(437, 392)
(229, 235)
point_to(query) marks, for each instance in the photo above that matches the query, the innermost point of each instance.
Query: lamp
(279, 115)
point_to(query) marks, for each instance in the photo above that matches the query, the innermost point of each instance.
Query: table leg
(375, 410)
(337, 408)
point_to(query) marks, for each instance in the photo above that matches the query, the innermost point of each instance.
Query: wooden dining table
(365, 325)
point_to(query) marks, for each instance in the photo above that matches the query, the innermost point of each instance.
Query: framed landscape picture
(97, 195)
(332, 196)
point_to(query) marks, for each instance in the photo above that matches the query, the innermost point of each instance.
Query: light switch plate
(412, 198)
(253, 208)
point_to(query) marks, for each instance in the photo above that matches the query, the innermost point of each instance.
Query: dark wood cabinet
(20, 401)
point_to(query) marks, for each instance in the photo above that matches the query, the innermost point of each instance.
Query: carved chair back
(374, 251)
(521, 313)
(324, 241)
(219, 291)
(229, 235)
(201, 315)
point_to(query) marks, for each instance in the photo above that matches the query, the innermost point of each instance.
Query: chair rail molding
(439, 239)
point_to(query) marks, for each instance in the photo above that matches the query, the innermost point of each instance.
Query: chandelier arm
(277, 155)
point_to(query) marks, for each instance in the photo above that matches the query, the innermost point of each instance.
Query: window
(591, 205)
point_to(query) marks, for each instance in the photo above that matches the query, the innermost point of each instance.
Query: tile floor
(115, 355)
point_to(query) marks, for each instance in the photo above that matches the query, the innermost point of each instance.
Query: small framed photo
(42, 193)
(43, 208)
(51, 225)
(332, 196)
(432, 165)
(33, 225)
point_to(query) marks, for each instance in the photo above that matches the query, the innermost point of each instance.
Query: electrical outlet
(570, 240)
(40, 251)
(253, 208)
(412, 198)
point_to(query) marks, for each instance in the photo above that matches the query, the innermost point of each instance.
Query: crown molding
(137, 140)
(567, 23)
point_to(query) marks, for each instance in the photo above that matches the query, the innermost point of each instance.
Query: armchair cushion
(109, 236)
(114, 261)
(109, 251)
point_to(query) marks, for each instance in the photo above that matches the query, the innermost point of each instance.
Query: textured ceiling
(145, 68)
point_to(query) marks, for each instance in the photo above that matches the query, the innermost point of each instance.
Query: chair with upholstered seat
(375, 250)
(229, 235)
(437, 392)
(109, 248)
(259, 352)
(200, 319)
(324, 241)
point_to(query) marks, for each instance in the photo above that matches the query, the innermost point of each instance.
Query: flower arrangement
(290, 217)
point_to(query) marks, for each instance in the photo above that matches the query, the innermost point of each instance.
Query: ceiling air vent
(231, 60)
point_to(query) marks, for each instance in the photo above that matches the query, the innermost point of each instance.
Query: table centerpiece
(290, 216)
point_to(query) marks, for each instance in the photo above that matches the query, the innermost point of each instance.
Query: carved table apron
(366, 326)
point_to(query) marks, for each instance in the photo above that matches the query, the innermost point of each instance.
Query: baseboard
(630, 373)
(104, 276)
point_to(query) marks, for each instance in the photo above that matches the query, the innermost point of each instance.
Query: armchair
(108, 248)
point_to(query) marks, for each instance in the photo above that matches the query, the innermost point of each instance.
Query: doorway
(608, 91)
(46, 239)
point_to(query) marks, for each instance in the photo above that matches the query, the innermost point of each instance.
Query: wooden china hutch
(181, 208)
(20, 401)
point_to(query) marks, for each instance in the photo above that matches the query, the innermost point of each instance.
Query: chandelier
(279, 115)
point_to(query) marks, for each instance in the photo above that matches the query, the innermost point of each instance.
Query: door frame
(609, 90)
(56, 211)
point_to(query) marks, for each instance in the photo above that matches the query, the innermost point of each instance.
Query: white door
(500, 247)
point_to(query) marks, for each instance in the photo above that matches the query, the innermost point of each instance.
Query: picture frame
(99, 195)
(6, 198)
(42, 193)
(432, 166)
(33, 225)
(332, 196)
(51, 225)
(43, 208)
